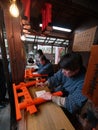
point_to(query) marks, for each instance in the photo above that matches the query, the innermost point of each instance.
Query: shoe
(2, 105)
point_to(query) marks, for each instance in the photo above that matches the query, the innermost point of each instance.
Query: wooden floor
(5, 118)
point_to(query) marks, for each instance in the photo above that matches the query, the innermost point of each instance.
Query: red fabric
(43, 19)
(46, 15)
(26, 6)
(48, 12)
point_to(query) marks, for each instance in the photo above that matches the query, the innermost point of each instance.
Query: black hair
(71, 61)
(40, 52)
(43, 57)
(30, 60)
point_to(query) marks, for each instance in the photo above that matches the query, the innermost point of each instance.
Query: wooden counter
(49, 117)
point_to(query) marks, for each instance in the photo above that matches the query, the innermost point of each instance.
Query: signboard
(90, 88)
(84, 40)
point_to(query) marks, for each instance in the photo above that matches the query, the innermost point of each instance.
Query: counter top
(49, 117)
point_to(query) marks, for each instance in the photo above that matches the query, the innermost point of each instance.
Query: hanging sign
(84, 40)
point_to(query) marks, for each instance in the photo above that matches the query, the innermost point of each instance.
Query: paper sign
(84, 40)
(38, 93)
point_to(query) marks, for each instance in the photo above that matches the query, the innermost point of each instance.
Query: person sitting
(69, 79)
(45, 66)
(39, 53)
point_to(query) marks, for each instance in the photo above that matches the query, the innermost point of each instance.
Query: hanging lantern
(14, 11)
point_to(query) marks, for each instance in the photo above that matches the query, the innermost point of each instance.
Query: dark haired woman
(45, 67)
(69, 79)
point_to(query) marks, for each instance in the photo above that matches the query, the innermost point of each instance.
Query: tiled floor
(5, 118)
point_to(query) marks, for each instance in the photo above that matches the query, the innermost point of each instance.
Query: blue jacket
(46, 69)
(73, 86)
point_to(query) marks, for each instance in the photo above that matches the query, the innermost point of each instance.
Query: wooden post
(90, 88)
(16, 48)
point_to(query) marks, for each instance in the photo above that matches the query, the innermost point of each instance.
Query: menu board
(90, 88)
(84, 40)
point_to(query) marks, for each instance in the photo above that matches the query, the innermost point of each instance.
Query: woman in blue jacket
(45, 67)
(69, 79)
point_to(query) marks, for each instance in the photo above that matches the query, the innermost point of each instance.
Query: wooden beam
(16, 48)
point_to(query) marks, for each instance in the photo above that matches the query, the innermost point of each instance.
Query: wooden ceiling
(67, 13)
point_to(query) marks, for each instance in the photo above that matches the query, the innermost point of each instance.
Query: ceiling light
(23, 38)
(29, 40)
(29, 36)
(14, 9)
(35, 47)
(59, 28)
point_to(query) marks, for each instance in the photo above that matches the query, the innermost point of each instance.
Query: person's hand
(46, 96)
(35, 73)
(41, 84)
